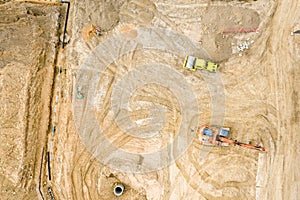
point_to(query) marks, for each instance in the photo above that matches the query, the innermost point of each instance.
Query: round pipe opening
(118, 189)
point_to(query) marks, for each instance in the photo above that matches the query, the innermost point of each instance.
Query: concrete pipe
(118, 189)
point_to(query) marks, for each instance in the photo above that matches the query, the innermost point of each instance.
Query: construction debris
(89, 31)
(53, 129)
(245, 45)
(51, 193)
(295, 32)
(79, 94)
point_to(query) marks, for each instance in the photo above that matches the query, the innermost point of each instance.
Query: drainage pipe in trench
(118, 189)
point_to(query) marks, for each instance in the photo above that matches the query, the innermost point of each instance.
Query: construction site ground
(255, 92)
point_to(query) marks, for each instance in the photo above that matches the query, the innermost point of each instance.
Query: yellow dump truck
(193, 63)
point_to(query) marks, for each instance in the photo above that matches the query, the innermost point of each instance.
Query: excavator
(218, 136)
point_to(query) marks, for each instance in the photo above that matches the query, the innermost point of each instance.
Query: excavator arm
(234, 142)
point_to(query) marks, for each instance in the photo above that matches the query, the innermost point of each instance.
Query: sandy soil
(27, 51)
(138, 75)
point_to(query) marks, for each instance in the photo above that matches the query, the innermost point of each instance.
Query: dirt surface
(137, 100)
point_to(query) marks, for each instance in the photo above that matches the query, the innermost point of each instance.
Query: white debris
(243, 46)
(51, 146)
